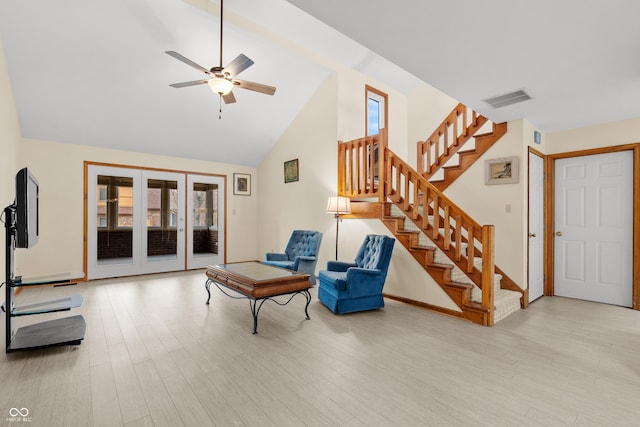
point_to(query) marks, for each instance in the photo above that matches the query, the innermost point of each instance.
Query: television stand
(57, 332)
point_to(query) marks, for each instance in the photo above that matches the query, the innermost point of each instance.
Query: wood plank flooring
(156, 355)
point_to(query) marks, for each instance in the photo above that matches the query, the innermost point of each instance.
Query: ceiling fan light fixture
(220, 85)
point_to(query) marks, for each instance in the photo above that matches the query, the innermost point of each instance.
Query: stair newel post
(488, 270)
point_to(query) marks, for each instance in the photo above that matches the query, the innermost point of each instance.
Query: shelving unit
(57, 332)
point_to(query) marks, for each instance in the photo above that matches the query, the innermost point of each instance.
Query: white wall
(59, 169)
(9, 147)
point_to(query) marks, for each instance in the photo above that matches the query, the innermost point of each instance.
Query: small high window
(376, 108)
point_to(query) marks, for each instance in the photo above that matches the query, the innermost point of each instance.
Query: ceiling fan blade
(229, 98)
(191, 83)
(258, 87)
(187, 61)
(238, 65)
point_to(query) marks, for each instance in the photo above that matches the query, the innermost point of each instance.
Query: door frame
(550, 218)
(144, 168)
(545, 264)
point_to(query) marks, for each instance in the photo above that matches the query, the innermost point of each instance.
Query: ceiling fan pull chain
(220, 108)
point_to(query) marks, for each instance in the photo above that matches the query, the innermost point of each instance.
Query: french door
(146, 221)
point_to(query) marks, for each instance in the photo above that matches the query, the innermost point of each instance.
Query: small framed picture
(291, 171)
(241, 184)
(501, 171)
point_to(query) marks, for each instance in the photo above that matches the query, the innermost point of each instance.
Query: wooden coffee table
(258, 282)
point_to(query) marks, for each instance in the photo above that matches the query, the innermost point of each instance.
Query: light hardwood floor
(155, 354)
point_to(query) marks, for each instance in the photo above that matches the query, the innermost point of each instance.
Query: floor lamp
(338, 206)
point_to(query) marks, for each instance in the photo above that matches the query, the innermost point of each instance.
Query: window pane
(373, 116)
(125, 205)
(205, 218)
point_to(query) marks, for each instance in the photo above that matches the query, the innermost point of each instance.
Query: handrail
(445, 223)
(454, 131)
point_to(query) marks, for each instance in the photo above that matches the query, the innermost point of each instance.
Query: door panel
(163, 237)
(536, 227)
(205, 221)
(113, 239)
(594, 228)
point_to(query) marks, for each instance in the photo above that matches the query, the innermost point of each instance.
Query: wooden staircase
(459, 252)
(450, 139)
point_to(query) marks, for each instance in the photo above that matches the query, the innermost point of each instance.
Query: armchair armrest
(304, 260)
(364, 281)
(339, 265)
(273, 256)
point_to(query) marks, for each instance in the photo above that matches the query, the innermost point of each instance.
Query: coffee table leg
(307, 295)
(207, 285)
(255, 310)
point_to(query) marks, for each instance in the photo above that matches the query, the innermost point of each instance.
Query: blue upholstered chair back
(303, 243)
(375, 252)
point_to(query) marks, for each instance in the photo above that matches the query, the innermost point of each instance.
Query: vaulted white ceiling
(96, 73)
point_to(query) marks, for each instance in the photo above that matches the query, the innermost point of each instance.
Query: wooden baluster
(341, 167)
(488, 269)
(436, 154)
(428, 159)
(455, 130)
(416, 195)
(470, 249)
(446, 141)
(447, 229)
(436, 218)
(458, 251)
(406, 192)
(425, 209)
(464, 121)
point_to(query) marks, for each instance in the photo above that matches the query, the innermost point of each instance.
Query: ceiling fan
(222, 79)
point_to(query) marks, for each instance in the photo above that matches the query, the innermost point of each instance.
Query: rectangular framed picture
(241, 184)
(291, 171)
(501, 171)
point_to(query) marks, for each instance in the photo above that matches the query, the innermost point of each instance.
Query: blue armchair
(348, 287)
(301, 253)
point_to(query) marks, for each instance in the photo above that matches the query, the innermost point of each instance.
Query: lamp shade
(339, 205)
(220, 85)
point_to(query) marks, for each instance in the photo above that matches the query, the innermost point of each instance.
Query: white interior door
(205, 220)
(536, 227)
(593, 248)
(163, 228)
(113, 222)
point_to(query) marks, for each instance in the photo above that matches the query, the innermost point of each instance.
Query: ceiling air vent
(507, 99)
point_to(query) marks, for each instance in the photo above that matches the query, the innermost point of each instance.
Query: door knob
(559, 233)
(532, 234)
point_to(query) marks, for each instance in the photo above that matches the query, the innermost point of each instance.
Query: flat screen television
(27, 208)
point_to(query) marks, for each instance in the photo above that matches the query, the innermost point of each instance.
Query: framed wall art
(501, 171)
(291, 171)
(241, 184)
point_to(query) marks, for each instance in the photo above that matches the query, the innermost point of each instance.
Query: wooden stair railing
(363, 174)
(446, 225)
(359, 169)
(454, 131)
(449, 139)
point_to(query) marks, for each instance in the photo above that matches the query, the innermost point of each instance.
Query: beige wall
(59, 169)
(9, 146)
(604, 135)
